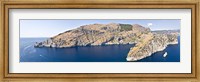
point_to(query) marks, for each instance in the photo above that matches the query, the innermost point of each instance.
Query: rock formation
(96, 34)
(147, 42)
(151, 44)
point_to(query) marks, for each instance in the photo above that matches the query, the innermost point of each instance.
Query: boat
(165, 54)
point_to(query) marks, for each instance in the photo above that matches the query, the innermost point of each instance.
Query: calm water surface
(111, 53)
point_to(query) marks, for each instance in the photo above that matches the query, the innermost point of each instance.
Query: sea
(105, 53)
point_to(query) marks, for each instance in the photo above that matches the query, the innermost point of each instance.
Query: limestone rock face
(96, 34)
(153, 43)
(147, 42)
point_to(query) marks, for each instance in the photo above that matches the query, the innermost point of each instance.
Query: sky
(50, 28)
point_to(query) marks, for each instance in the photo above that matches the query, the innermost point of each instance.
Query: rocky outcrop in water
(151, 44)
(147, 42)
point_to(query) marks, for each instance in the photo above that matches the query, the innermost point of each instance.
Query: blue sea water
(110, 53)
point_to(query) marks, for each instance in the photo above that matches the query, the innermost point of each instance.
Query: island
(146, 41)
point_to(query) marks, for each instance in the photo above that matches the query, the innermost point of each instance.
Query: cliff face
(96, 34)
(147, 42)
(153, 43)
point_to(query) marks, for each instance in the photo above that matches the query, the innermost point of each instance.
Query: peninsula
(146, 41)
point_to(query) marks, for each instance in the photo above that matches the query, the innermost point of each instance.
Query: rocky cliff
(96, 34)
(151, 44)
(147, 42)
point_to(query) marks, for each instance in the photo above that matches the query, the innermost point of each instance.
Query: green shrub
(125, 27)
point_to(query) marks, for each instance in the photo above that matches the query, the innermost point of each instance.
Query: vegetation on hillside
(125, 27)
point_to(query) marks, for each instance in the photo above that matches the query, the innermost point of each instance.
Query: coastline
(108, 54)
(130, 59)
(146, 49)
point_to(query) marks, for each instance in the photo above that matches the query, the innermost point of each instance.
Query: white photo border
(184, 66)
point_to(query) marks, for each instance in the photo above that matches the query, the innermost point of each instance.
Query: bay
(108, 53)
